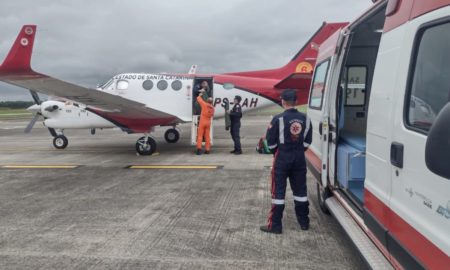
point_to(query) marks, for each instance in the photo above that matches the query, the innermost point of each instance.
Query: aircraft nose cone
(34, 108)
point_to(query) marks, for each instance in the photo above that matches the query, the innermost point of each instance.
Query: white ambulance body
(379, 105)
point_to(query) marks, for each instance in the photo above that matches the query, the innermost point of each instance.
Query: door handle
(397, 150)
(320, 127)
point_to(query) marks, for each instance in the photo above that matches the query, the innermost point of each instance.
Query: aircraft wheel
(172, 135)
(322, 195)
(60, 142)
(145, 149)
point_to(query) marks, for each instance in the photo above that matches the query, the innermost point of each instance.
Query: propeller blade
(36, 97)
(32, 122)
(52, 132)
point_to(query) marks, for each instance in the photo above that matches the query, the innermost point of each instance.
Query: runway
(97, 205)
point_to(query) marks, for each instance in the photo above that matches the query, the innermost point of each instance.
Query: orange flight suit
(204, 125)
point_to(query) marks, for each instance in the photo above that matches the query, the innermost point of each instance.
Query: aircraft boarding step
(373, 256)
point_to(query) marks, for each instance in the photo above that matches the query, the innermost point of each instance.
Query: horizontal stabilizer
(300, 81)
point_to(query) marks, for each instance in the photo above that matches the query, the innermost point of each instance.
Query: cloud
(87, 42)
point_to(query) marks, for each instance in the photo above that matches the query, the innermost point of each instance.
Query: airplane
(138, 102)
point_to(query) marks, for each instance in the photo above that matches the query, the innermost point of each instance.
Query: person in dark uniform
(235, 117)
(289, 136)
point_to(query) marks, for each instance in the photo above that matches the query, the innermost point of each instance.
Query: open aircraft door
(196, 108)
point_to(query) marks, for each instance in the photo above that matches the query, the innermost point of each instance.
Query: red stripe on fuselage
(417, 244)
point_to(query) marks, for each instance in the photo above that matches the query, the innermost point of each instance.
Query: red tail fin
(303, 61)
(19, 57)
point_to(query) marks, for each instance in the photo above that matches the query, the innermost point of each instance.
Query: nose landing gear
(60, 141)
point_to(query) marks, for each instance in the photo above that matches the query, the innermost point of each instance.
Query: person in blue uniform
(288, 136)
(235, 117)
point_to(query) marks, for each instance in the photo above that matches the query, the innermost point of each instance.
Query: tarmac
(87, 207)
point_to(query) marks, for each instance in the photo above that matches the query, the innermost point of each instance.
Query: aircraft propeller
(36, 109)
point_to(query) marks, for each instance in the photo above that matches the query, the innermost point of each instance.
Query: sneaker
(266, 229)
(198, 152)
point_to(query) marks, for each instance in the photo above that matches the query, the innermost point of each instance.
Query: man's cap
(238, 98)
(289, 95)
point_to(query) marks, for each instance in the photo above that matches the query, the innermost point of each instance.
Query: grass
(8, 113)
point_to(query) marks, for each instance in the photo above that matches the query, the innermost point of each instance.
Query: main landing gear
(172, 135)
(145, 146)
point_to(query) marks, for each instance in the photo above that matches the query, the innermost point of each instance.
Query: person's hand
(202, 90)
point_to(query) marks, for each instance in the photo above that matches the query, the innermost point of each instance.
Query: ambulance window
(355, 88)
(147, 84)
(429, 88)
(162, 85)
(122, 85)
(318, 85)
(177, 85)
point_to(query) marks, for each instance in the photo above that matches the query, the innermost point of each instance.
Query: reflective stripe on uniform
(281, 130)
(308, 125)
(300, 199)
(273, 146)
(276, 201)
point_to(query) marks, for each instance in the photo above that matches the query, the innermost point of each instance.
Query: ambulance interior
(353, 101)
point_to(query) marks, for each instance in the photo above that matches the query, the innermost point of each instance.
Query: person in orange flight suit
(204, 126)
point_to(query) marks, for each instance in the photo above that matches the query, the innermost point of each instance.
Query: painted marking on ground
(196, 167)
(39, 166)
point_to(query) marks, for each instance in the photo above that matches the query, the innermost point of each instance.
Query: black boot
(266, 229)
(238, 152)
(198, 152)
(275, 216)
(302, 212)
(232, 152)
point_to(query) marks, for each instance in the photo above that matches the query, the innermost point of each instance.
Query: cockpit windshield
(107, 84)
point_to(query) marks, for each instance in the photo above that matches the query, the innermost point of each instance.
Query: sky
(88, 42)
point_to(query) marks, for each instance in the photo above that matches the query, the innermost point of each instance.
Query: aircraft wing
(130, 115)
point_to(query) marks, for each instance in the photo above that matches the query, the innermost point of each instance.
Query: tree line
(16, 104)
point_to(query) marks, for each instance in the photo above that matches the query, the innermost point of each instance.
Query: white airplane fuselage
(172, 94)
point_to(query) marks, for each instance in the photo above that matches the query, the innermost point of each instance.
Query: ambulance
(380, 111)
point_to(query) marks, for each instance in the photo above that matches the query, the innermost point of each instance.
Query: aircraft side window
(122, 85)
(177, 85)
(228, 86)
(147, 85)
(355, 88)
(318, 85)
(429, 80)
(162, 85)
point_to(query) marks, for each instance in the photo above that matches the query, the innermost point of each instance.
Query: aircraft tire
(172, 135)
(145, 149)
(322, 195)
(60, 142)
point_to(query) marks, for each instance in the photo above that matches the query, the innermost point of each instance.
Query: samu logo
(445, 212)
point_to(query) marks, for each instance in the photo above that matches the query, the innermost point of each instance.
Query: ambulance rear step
(371, 254)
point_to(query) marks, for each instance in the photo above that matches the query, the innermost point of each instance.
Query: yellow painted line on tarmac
(197, 167)
(39, 166)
